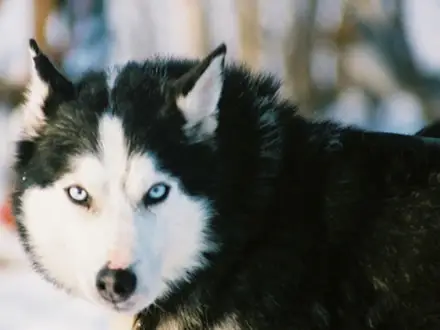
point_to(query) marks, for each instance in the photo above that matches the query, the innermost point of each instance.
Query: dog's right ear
(45, 81)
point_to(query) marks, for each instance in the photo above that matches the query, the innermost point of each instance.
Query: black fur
(321, 226)
(431, 130)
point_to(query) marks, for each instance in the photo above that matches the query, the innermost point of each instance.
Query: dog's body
(221, 206)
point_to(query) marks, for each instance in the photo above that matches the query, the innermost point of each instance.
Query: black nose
(116, 285)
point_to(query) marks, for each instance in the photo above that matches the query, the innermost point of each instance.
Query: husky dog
(189, 193)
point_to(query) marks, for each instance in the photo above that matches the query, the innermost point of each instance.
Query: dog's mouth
(123, 307)
(132, 306)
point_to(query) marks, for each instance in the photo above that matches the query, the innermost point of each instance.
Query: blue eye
(156, 194)
(77, 194)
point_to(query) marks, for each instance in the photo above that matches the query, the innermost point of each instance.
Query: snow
(29, 303)
(14, 58)
(421, 26)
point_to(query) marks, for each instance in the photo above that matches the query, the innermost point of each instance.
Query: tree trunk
(250, 32)
(42, 9)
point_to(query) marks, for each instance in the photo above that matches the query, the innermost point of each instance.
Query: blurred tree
(298, 55)
(250, 32)
(42, 9)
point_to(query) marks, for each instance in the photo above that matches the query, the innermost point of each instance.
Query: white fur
(72, 243)
(170, 324)
(31, 110)
(228, 323)
(199, 106)
(112, 73)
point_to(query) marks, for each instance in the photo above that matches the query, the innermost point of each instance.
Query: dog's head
(114, 173)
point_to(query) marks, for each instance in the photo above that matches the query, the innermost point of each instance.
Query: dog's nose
(116, 285)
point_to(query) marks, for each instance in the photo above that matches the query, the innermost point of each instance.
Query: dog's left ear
(45, 81)
(199, 91)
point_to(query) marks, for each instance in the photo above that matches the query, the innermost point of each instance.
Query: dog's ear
(45, 81)
(199, 91)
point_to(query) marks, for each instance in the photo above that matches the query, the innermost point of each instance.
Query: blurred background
(370, 63)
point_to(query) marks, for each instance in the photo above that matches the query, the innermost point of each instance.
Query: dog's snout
(116, 285)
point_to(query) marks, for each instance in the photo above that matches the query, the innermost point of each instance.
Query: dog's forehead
(132, 95)
(113, 163)
(115, 154)
(133, 83)
(139, 84)
(125, 90)
(145, 82)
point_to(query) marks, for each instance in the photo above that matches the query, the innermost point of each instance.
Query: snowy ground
(28, 303)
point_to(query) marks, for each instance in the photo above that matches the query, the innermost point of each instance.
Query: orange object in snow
(6, 216)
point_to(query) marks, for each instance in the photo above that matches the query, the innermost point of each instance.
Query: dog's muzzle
(116, 285)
